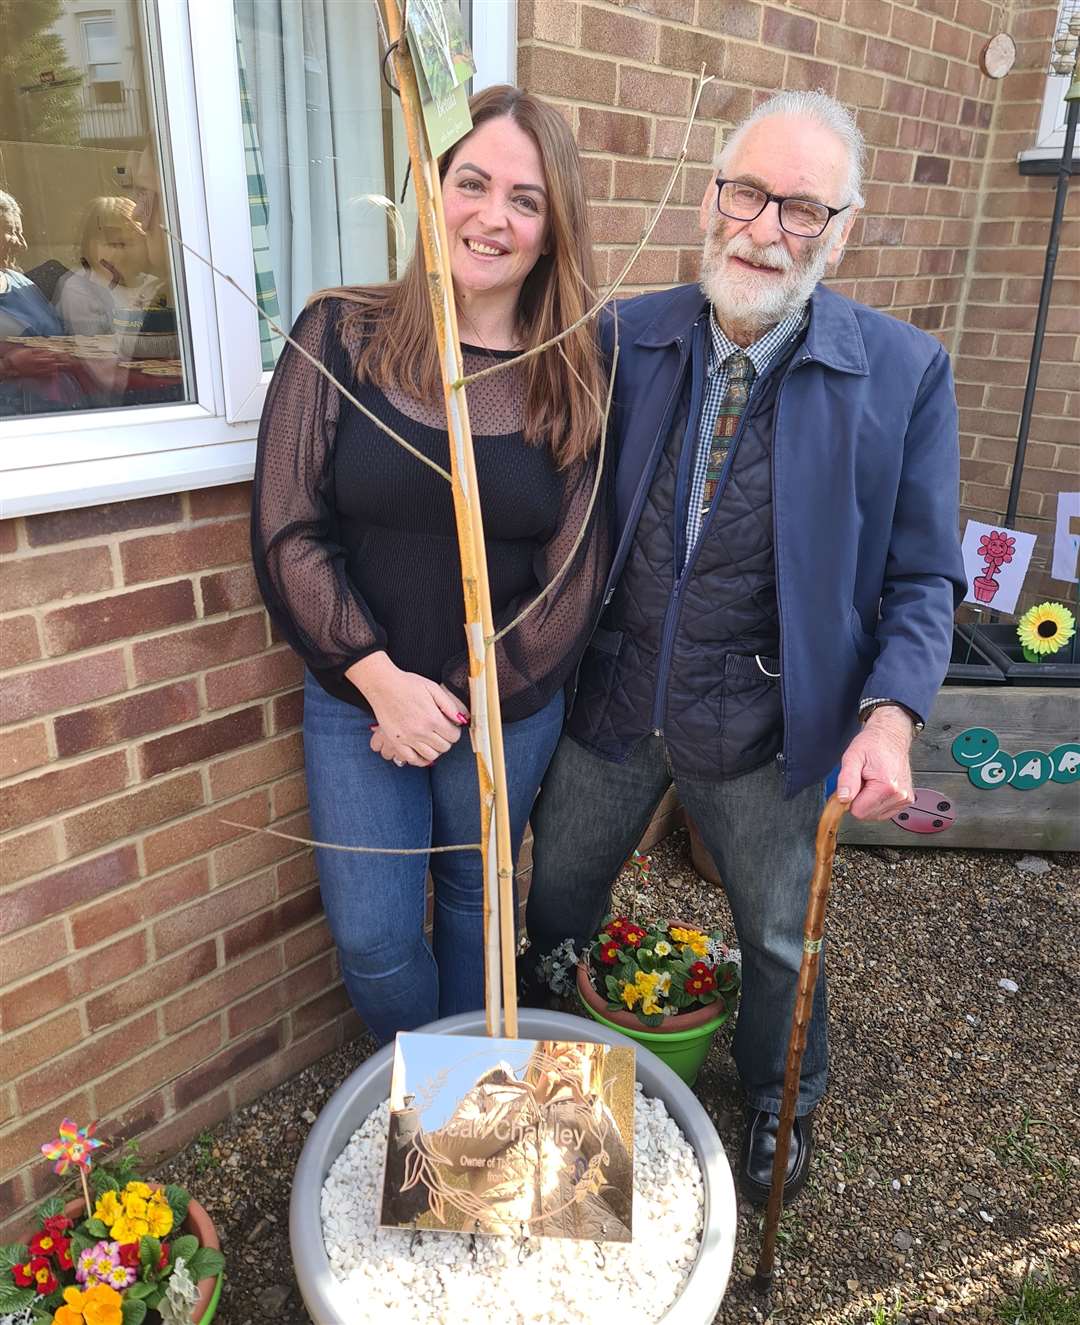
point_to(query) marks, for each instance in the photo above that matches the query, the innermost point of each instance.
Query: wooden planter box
(1023, 717)
(997, 641)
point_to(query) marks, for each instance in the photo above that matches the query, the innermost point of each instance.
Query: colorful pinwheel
(74, 1145)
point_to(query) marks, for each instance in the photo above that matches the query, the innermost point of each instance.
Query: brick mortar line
(166, 1037)
(134, 839)
(110, 537)
(131, 744)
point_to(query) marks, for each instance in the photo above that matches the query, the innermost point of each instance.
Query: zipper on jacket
(782, 757)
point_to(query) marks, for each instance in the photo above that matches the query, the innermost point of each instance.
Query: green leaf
(652, 1019)
(149, 1252)
(139, 1290)
(178, 1200)
(14, 1253)
(53, 1206)
(612, 987)
(80, 1241)
(206, 1262)
(1029, 656)
(186, 1246)
(95, 1227)
(154, 1300)
(104, 1182)
(13, 1298)
(133, 1311)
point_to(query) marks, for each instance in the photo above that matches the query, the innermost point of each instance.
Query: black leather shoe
(759, 1147)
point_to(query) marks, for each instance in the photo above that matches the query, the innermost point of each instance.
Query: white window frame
(57, 461)
(1050, 139)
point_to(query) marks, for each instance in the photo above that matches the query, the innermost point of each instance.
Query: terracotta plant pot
(197, 1222)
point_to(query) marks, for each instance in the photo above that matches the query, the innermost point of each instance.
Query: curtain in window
(328, 139)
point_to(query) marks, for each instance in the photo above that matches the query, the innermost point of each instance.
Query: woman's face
(495, 200)
(12, 243)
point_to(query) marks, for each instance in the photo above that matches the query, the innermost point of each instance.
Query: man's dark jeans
(590, 815)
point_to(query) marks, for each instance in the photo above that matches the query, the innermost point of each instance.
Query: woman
(355, 548)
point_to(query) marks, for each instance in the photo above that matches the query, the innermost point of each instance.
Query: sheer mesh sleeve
(299, 563)
(540, 654)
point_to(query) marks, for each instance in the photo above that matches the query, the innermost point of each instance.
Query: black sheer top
(354, 540)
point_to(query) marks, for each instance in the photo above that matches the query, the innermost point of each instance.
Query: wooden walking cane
(486, 726)
(813, 928)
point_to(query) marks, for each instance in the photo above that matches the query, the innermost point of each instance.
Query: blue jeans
(375, 904)
(590, 816)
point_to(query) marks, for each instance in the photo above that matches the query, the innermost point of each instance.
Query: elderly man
(782, 593)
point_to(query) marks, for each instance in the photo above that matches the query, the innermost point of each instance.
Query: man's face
(754, 273)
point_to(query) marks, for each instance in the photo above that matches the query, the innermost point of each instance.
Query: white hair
(10, 206)
(819, 108)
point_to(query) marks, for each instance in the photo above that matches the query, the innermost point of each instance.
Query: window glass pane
(89, 314)
(325, 149)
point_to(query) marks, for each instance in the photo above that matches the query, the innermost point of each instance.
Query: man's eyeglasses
(798, 216)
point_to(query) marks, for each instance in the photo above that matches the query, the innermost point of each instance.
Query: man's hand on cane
(875, 773)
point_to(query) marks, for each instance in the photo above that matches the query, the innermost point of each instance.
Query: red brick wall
(157, 967)
(952, 237)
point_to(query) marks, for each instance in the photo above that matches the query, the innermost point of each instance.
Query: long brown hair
(562, 399)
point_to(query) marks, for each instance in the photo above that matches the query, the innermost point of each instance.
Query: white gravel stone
(388, 1276)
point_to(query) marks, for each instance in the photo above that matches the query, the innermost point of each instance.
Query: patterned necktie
(740, 378)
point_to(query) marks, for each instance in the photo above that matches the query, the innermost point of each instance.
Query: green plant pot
(212, 1306)
(683, 1050)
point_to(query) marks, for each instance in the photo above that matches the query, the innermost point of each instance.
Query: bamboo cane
(813, 928)
(486, 727)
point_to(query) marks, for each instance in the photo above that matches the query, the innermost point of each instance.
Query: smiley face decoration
(988, 766)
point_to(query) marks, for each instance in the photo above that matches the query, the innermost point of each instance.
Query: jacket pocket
(752, 722)
(866, 646)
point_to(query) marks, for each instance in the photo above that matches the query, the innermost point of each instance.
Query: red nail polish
(463, 718)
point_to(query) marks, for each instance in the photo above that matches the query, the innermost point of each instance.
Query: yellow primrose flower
(159, 1219)
(121, 1230)
(108, 1208)
(663, 948)
(646, 981)
(650, 1006)
(663, 985)
(690, 940)
(630, 994)
(134, 1206)
(142, 1189)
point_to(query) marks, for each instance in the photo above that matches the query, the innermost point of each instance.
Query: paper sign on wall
(1066, 563)
(996, 561)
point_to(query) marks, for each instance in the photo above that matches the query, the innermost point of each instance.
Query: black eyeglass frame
(776, 198)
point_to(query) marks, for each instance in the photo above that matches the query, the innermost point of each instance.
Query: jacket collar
(833, 337)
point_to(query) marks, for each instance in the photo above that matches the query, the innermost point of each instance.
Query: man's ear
(836, 250)
(708, 204)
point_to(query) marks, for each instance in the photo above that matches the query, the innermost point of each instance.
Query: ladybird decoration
(930, 812)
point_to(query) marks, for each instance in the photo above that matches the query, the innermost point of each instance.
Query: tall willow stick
(495, 846)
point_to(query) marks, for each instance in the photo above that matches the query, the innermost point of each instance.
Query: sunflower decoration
(1044, 629)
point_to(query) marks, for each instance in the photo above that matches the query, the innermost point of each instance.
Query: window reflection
(88, 307)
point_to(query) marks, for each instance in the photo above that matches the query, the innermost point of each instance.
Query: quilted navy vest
(688, 655)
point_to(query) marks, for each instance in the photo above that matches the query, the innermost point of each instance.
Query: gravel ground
(948, 1149)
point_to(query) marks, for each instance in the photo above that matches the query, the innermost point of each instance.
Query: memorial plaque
(515, 1137)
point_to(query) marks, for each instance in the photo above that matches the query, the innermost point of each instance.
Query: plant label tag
(522, 1138)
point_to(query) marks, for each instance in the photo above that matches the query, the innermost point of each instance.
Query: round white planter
(369, 1086)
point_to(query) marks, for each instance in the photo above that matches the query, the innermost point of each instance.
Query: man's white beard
(751, 302)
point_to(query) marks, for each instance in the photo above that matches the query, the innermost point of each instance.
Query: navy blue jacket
(865, 475)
